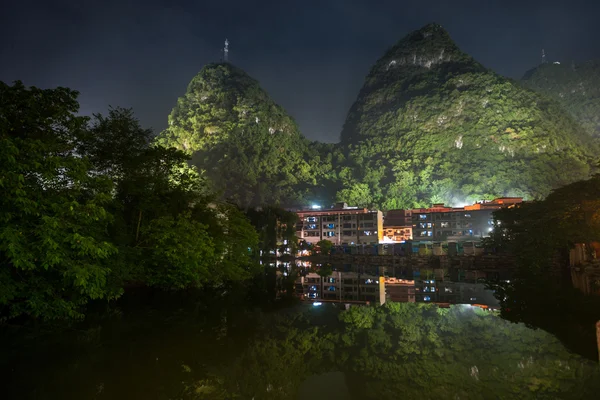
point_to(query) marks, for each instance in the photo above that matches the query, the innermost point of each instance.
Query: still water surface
(421, 344)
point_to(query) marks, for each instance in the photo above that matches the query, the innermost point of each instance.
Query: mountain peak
(419, 52)
(432, 30)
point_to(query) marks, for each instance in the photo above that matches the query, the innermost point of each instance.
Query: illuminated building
(441, 223)
(341, 225)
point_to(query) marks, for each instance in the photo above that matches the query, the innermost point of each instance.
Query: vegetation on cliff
(433, 125)
(575, 86)
(248, 147)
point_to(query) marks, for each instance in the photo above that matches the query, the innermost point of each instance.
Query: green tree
(54, 248)
(324, 246)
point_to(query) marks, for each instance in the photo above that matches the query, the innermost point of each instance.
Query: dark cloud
(311, 56)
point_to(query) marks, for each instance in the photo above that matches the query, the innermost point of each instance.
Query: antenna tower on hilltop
(226, 51)
(543, 57)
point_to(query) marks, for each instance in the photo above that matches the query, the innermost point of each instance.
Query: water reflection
(376, 284)
(261, 342)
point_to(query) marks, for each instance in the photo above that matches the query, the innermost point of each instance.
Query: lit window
(426, 298)
(429, 224)
(429, 233)
(422, 216)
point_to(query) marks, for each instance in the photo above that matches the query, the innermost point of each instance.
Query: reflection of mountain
(197, 346)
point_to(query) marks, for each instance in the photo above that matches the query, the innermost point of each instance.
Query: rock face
(432, 125)
(575, 86)
(248, 146)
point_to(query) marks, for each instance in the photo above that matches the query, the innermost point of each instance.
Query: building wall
(455, 223)
(397, 234)
(340, 226)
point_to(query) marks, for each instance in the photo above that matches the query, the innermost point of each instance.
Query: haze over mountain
(431, 124)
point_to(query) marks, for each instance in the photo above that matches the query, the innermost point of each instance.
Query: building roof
(328, 211)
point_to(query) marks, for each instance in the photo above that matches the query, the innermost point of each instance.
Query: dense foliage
(433, 125)
(249, 148)
(276, 228)
(88, 207)
(537, 231)
(575, 86)
(540, 235)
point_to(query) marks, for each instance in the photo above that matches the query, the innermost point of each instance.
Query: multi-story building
(397, 226)
(341, 225)
(441, 223)
(398, 218)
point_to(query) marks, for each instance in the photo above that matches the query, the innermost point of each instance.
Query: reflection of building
(436, 291)
(341, 225)
(340, 286)
(359, 287)
(401, 290)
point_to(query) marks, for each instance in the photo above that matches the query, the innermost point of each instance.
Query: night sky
(311, 56)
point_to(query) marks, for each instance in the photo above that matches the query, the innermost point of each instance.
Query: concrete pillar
(382, 290)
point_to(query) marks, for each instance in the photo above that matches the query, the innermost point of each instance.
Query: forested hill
(248, 146)
(575, 86)
(431, 124)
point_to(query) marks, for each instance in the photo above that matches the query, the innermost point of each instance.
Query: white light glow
(316, 304)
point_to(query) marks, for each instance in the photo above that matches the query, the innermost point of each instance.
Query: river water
(301, 332)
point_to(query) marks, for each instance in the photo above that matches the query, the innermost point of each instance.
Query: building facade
(397, 234)
(441, 223)
(341, 225)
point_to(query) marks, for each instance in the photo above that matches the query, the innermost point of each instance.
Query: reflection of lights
(316, 304)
